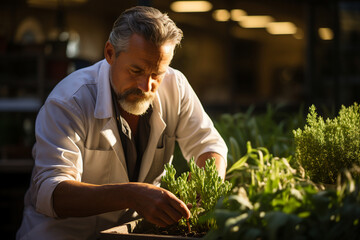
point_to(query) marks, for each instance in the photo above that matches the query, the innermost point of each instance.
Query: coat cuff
(44, 201)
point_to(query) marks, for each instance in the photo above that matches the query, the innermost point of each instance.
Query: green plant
(201, 187)
(271, 129)
(325, 148)
(258, 171)
(273, 201)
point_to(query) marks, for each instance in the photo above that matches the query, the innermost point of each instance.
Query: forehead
(144, 52)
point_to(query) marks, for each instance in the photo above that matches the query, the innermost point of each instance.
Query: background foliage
(326, 147)
(271, 129)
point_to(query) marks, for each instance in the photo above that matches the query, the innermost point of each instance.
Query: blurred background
(235, 54)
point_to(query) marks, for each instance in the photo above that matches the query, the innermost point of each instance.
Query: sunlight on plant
(273, 194)
(326, 147)
(271, 200)
(201, 187)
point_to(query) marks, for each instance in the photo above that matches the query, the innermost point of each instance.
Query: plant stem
(188, 224)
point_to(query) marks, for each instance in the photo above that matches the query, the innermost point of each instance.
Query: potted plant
(200, 188)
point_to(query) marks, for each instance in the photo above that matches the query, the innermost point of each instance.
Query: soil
(174, 230)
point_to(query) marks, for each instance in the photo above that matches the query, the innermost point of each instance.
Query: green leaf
(238, 165)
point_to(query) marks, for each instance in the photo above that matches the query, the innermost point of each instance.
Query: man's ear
(109, 53)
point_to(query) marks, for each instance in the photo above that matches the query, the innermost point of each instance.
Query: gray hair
(148, 22)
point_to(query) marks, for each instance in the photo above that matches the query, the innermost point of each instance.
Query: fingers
(158, 205)
(180, 206)
(162, 216)
(162, 219)
(172, 208)
(158, 220)
(173, 213)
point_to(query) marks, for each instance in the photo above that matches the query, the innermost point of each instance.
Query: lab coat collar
(104, 106)
(111, 134)
(104, 110)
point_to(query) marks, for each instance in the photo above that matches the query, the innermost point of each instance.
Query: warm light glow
(191, 6)
(221, 15)
(255, 21)
(299, 34)
(283, 28)
(237, 14)
(326, 33)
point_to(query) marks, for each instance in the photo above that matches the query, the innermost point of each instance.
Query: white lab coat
(77, 139)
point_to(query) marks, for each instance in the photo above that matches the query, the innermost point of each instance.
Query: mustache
(133, 91)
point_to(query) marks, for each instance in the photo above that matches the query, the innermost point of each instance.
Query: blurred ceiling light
(221, 15)
(255, 21)
(237, 14)
(191, 6)
(281, 28)
(53, 3)
(326, 33)
(299, 34)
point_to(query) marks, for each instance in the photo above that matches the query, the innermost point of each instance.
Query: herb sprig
(199, 187)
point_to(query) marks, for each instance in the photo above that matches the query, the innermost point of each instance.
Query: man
(106, 131)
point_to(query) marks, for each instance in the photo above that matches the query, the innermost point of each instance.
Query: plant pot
(125, 232)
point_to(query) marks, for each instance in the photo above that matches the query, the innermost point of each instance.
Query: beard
(135, 101)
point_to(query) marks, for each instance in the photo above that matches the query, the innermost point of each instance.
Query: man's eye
(135, 71)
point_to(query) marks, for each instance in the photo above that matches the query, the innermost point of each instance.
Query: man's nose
(144, 83)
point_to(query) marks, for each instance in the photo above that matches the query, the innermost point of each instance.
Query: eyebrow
(142, 69)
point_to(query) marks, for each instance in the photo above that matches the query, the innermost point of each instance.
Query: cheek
(122, 81)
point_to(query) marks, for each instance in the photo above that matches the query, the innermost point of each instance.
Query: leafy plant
(258, 171)
(325, 148)
(201, 187)
(273, 201)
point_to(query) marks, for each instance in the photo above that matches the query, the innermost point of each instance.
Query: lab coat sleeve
(195, 131)
(57, 153)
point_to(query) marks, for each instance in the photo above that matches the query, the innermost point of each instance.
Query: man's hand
(157, 205)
